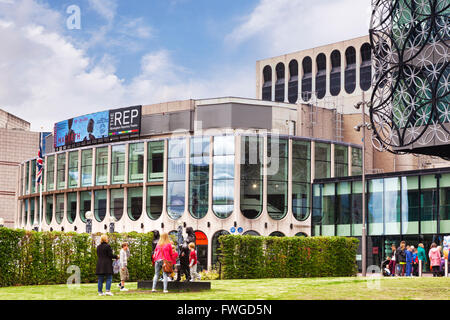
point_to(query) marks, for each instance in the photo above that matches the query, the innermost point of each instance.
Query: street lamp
(88, 216)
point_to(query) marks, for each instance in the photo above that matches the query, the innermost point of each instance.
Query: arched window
(199, 177)
(293, 82)
(321, 76)
(335, 75)
(277, 234)
(100, 205)
(134, 197)
(48, 209)
(32, 211)
(267, 85)
(366, 67)
(176, 178)
(223, 176)
(307, 79)
(301, 234)
(59, 212)
(25, 213)
(216, 245)
(116, 203)
(277, 177)
(301, 177)
(251, 233)
(201, 246)
(350, 70)
(71, 206)
(279, 84)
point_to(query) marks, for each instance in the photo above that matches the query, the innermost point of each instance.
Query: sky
(57, 63)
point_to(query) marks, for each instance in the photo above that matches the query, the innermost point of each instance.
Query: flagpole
(40, 191)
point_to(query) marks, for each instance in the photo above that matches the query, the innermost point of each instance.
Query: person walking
(422, 255)
(435, 259)
(163, 251)
(400, 258)
(124, 274)
(104, 268)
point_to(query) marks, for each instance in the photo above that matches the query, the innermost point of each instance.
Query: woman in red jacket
(163, 251)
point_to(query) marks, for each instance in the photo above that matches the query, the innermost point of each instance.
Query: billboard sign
(125, 121)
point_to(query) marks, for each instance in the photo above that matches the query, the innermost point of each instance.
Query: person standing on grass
(435, 259)
(193, 262)
(124, 275)
(104, 269)
(415, 269)
(422, 255)
(392, 261)
(400, 258)
(409, 261)
(163, 251)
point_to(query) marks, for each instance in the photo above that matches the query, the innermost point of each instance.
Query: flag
(40, 166)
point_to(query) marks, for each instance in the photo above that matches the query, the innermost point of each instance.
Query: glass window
(375, 207)
(33, 176)
(335, 75)
(251, 233)
(32, 211)
(323, 160)
(176, 178)
(135, 162)
(293, 82)
(100, 205)
(134, 203)
(392, 206)
(27, 178)
(277, 234)
(216, 245)
(328, 209)
(50, 173)
(85, 204)
(59, 212)
(356, 161)
(410, 205)
(86, 168)
(340, 161)
(199, 177)
(118, 164)
(251, 176)
(61, 172)
(350, 70)
(301, 177)
(428, 204)
(71, 206)
(277, 177)
(154, 202)
(317, 198)
(343, 213)
(444, 209)
(366, 67)
(73, 169)
(357, 208)
(116, 203)
(321, 76)
(223, 176)
(26, 212)
(101, 166)
(307, 79)
(279, 84)
(155, 161)
(49, 209)
(267, 85)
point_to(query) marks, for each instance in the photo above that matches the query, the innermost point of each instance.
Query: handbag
(116, 266)
(167, 266)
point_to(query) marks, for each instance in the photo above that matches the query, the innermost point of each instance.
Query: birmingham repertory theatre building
(288, 163)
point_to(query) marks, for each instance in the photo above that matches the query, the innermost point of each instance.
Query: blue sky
(149, 51)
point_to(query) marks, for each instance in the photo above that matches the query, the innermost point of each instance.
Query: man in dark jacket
(104, 269)
(400, 258)
(184, 255)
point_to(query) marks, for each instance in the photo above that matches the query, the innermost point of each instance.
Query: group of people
(165, 250)
(405, 260)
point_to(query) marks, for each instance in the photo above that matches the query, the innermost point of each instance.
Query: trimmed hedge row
(41, 258)
(250, 257)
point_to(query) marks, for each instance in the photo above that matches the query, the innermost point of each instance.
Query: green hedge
(40, 258)
(250, 257)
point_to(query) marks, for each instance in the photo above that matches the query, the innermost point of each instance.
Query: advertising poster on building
(85, 128)
(125, 121)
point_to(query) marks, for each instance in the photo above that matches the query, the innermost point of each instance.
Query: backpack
(116, 266)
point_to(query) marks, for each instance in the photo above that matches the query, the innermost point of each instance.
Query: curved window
(118, 164)
(277, 234)
(116, 203)
(48, 209)
(251, 176)
(301, 177)
(321, 76)
(134, 203)
(267, 85)
(73, 169)
(366, 67)
(100, 205)
(216, 245)
(33, 176)
(223, 176)
(86, 168)
(32, 211)
(350, 70)
(71, 206)
(340, 161)
(323, 161)
(27, 178)
(307, 79)
(277, 177)
(85, 204)
(251, 233)
(25, 213)
(199, 177)
(59, 208)
(61, 174)
(101, 166)
(301, 234)
(154, 201)
(50, 173)
(293, 82)
(135, 162)
(335, 76)
(155, 161)
(201, 246)
(176, 178)
(279, 84)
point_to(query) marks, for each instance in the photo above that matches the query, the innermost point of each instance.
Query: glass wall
(323, 160)
(61, 172)
(116, 203)
(277, 177)
(176, 178)
(444, 203)
(251, 176)
(134, 203)
(155, 161)
(71, 206)
(86, 168)
(100, 205)
(410, 205)
(428, 204)
(33, 176)
(154, 201)
(118, 164)
(32, 211)
(59, 208)
(223, 176)
(85, 204)
(340, 161)
(73, 169)
(375, 207)
(26, 212)
(301, 177)
(199, 177)
(50, 173)
(357, 208)
(392, 206)
(27, 177)
(101, 166)
(343, 212)
(135, 162)
(49, 209)
(328, 209)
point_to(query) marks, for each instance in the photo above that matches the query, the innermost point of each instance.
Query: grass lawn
(267, 289)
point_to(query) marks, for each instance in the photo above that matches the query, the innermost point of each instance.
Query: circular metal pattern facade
(410, 105)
